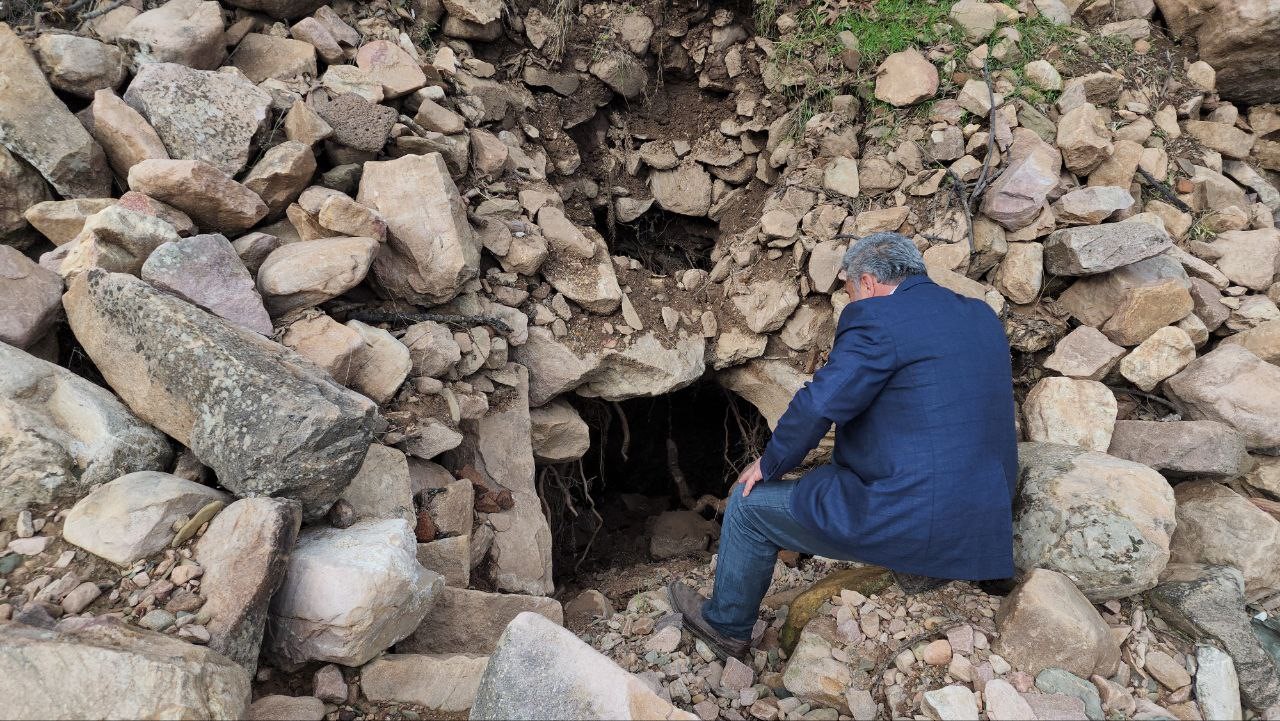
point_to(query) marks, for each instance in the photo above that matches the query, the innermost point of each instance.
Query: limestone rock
(1182, 448)
(205, 271)
(440, 682)
(906, 78)
(1166, 352)
(215, 117)
(685, 189)
(37, 127)
(450, 557)
(841, 176)
(1089, 206)
(950, 703)
(1083, 139)
(1084, 353)
(104, 669)
(79, 65)
(1234, 40)
(975, 19)
(1248, 257)
(467, 621)
(30, 299)
(1017, 196)
(123, 133)
(1231, 385)
(281, 175)
(381, 488)
(1221, 137)
(1021, 272)
(68, 434)
(1262, 340)
(381, 365)
(1103, 522)
(261, 57)
(392, 67)
(212, 199)
(540, 670)
(1098, 248)
(132, 517)
(310, 272)
(1071, 412)
(811, 674)
(1047, 623)
(277, 707)
(350, 593)
(184, 32)
(431, 248)
(244, 554)
(1218, 526)
(559, 433)
(265, 423)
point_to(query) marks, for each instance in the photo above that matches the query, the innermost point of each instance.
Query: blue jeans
(755, 528)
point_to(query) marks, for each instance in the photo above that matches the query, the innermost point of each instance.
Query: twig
(100, 11)
(984, 179)
(673, 466)
(1163, 191)
(382, 316)
(626, 430)
(1147, 396)
(957, 187)
(413, 125)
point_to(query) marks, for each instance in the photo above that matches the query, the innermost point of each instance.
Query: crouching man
(919, 388)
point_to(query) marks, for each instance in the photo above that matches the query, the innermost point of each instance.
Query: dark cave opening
(665, 243)
(679, 451)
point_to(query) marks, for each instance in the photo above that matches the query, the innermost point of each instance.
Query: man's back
(921, 479)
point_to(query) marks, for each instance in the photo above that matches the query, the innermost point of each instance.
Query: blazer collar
(911, 280)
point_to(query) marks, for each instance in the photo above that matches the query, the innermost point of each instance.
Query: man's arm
(861, 362)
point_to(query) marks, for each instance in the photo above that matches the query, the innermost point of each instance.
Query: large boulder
(1090, 249)
(1047, 623)
(37, 127)
(349, 594)
(245, 554)
(540, 670)
(133, 516)
(1216, 525)
(211, 197)
(1231, 385)
(62, 434)
(30, 298)
(201, 115)
(1238, 40)
(468, 621)
(1070, 411)
(1183, 448)
(431, 249)
(266, 422)
(1207, 602)
(183, 32)
(101, 668)
(1102, 521)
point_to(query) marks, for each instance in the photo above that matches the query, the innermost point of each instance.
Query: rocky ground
(305, 306)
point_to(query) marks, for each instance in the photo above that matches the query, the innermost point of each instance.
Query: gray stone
(133, 516)
(30, 299)
(440, 682)
(466, 621)
(1088, 250)
(266, 423)
(540, 670)
(64, 434)
(205, 270)
(1231, 385)
(381, 488)
(1184, 448)
(1058, 681)
(101, 668)
(277, 707)
(186, 32)
(37, 127)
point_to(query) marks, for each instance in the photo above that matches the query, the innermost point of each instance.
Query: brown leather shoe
(688, 603)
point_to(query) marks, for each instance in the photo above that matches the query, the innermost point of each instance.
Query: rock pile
(292, 304)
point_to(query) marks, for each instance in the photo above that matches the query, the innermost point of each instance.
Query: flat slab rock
(265, 422)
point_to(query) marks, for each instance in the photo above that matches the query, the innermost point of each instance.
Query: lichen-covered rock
(264, 422)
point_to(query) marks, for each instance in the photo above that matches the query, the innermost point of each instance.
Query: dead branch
(413, 125)
(100, 11)
(984, 178)
(382, 316)
(626, 430)
(1163, 191)
(1148, 396)
(957, 187)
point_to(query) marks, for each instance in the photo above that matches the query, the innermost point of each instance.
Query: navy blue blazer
(920, 389)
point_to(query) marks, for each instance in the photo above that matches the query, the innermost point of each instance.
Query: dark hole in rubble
(714, 434)
(663, 242)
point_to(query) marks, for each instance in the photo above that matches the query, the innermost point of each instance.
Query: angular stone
(205, 270)
(1017, 196)
(450, 557)
(950, 703)
(132, 517)
(1084, 353)
(212, 199)
(342, 215)
(1145, 309)
(281, 175)
(117, 240)
(440, 682)
(975, 19)
(310, 272)
(1102, 521)
(277, 707)
(811, 674)
(1166, 352)
(1182, 448)
(1208, 602)
(1095, 249)
(591, 605)
(1084, 139)
(105, 669)
(1046, 622)
(559, 433)
(431, 248)
(1262, 340)
(590, 282)
(392, 67)
(263, 422)
(1221, 137)
(1021, 273)
(350, 593)
(139, 203)
(381, 365)
(1248, 257)
(184, 32)
(215, 117)
(311, 30)
(25, 190)
(325, 342)
(622, 72)
(906, 78)
(645, 367)
(30, 299)
(1056, 681)
(1089, 206)
(1168, 672)
(841, 176)
(1218, 526)
(244, 554)
(1071, 412)
(1235, 387)
(79, 65)
(282, 9)
(1118, 169)
(303, 125)
(540, 670)
(123, 133)
(432, 348)
(261, 57)
(685, 189)
(1004, 703)
(466, 621)
(37, 127)
(766, 305)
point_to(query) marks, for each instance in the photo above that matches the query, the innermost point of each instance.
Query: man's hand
(750, 476)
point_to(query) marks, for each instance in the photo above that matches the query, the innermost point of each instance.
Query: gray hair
(889, 257)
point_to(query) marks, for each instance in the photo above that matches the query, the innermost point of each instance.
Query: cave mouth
(665, 243)
(678, 451)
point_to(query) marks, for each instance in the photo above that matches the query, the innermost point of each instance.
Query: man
(919, 388)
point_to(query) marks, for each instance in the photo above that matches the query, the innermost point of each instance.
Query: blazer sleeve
(861, 362)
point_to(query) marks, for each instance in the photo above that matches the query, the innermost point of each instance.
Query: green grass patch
(883, 28)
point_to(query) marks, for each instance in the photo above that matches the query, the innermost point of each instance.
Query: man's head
(874, 265)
